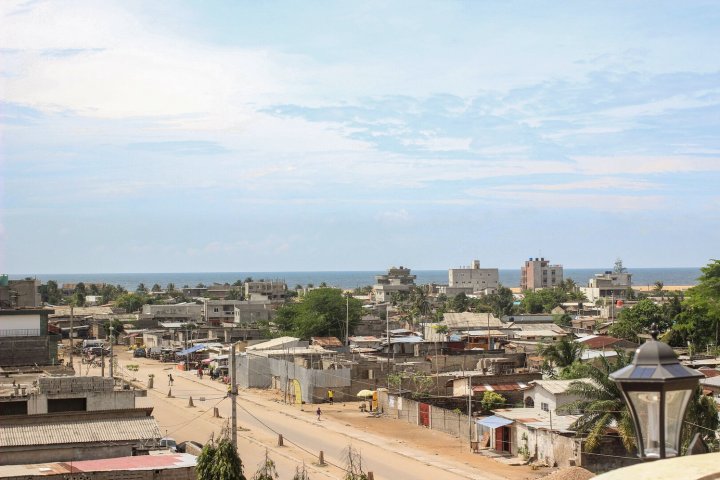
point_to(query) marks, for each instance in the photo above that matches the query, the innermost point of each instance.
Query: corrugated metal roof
(327, 341)
(83, 431)
(142, 462)
(500, 387)
(557, 386)
(469, 320)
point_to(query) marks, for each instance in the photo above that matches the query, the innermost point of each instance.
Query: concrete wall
(442, 420)
(20, 322)
(24, 351)
(63, 453)
(546, 447)
(256, 371)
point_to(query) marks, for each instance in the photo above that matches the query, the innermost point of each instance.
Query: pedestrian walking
(318, 413)
(170, 379)
(330, 396)
(200, 373)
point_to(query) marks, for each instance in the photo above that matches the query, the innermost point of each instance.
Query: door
(424, 414)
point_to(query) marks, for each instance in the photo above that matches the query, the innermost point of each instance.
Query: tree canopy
(319, 313)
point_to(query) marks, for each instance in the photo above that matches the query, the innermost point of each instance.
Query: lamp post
(657, 389)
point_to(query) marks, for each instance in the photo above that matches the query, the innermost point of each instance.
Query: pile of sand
(570, 473)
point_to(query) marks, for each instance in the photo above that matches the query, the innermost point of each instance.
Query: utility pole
(387, 328)
(72, 324)
(233, 396)
(112, 340)
(470, 407)
(347, 320)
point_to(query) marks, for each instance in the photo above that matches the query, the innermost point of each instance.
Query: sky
(217, 135)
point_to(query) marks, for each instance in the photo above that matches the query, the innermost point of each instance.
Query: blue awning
(494, 422)
(192, 349)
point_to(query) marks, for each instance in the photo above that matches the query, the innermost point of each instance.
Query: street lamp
(657, 389)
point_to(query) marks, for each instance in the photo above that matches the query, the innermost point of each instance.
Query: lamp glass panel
(675, 404)
(647, 409)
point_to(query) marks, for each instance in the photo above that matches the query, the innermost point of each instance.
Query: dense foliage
(319, 313)
(219, 462)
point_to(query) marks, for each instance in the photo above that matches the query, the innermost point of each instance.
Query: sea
(346, 280)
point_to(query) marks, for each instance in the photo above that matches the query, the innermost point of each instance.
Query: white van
(92, 343)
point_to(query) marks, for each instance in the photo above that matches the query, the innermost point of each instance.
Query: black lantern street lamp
(657, 389)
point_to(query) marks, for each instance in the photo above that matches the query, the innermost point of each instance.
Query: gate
(424, 414)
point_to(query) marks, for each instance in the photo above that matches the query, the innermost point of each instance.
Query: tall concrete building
(397, 280)
(472, 279)
(538, 273)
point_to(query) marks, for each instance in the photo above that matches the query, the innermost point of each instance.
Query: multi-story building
(472, 279)
(19, 293)
(538, 273)
(180, 312)
(397, 280)
(249, 312)
(217, 312)
(24, 338)
(47, 419)
(608, 285)
(271, 289)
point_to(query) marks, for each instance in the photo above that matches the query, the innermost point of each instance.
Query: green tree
(639, 318)
(699, 321)
(156, 288)
(320, 313)
(502, 302)
(601, 404)
(220, 462)
(235, 294)
(80, 288)
(491, 401)
(170, 287)
(131, 302)
(50, 293)
(141, 288)
(114, 328)
(266, 470)
(460, 302)
(562, 353)
(701, 417)
(77, 299)
(543, 301)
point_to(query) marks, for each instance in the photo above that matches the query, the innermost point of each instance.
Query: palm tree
(562, 353)
(601, 404)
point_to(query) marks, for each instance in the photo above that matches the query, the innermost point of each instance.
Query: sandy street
(391, 449)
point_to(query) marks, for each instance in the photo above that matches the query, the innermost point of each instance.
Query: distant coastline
(348, 280)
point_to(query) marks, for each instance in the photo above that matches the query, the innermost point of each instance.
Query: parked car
(169, 443)
(139, 352)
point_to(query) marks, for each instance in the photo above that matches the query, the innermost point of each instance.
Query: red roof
(709, 372)
(600, 341)
(140, 462)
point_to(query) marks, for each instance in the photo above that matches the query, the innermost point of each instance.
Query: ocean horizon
(346, 279)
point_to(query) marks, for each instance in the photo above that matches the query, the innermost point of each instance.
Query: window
(544, 406)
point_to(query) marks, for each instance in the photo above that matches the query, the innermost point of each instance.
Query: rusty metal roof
(327, 341)
(80, 431)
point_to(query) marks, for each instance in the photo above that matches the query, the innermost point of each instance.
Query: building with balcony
(538, 273)
(608, 286)
(271, 289)
(397, 280)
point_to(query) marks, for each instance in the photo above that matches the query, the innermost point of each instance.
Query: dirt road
(391, 449)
